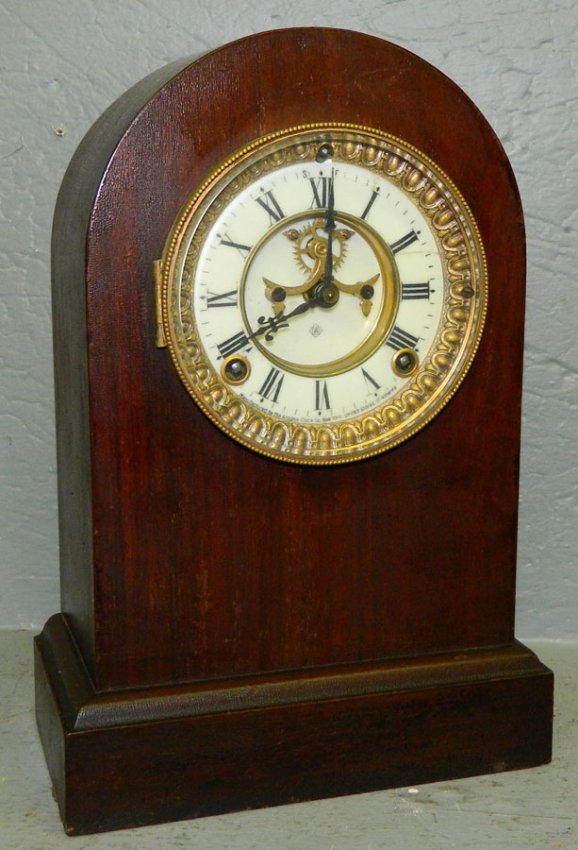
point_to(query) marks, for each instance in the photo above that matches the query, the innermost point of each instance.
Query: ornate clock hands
(269, 325)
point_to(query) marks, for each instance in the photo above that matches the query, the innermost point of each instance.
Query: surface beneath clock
(522, 810)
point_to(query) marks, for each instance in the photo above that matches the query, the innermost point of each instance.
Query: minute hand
(330, 227)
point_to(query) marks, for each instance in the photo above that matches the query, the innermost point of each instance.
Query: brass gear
(309, 244)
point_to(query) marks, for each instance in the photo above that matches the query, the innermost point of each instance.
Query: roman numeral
(399, 338)
(321, 396)
(413, 291)
(370, 203)
(271, 207)
(222, 299)
(321, 188)
(402, 243)
(233, 344)
(371, 382)
(243, 249)
(272, 385)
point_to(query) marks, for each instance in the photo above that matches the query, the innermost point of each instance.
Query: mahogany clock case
(237, 631)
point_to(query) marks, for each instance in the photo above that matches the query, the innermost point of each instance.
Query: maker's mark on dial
(315, 330)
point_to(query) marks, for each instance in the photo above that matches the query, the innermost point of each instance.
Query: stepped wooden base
(138, 757)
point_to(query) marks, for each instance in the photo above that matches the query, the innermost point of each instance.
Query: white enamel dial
(323, 294)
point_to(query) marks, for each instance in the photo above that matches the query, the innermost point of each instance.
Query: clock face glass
(323, 294)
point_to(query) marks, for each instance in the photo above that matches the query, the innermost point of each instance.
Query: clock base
(138, 757)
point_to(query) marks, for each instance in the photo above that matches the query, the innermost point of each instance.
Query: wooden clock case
(238, 632)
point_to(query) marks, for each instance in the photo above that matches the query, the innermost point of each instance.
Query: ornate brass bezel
(441, 370)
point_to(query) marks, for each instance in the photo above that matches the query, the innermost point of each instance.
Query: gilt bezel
(441, 370)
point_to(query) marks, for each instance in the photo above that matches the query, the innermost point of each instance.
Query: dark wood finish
(188, 559)
(423, 535)
(187, 751)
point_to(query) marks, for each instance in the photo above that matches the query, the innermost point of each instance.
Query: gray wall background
(63, 61)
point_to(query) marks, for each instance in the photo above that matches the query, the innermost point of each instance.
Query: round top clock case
(288, 284)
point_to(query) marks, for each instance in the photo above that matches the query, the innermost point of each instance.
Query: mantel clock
(288, 285)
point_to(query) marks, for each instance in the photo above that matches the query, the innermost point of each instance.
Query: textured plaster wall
(63, 61)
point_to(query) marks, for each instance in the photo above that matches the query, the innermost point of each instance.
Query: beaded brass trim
(440, 371)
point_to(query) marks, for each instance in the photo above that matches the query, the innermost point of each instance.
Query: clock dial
(323, 294)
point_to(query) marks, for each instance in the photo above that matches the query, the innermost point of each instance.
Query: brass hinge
(161, 340)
